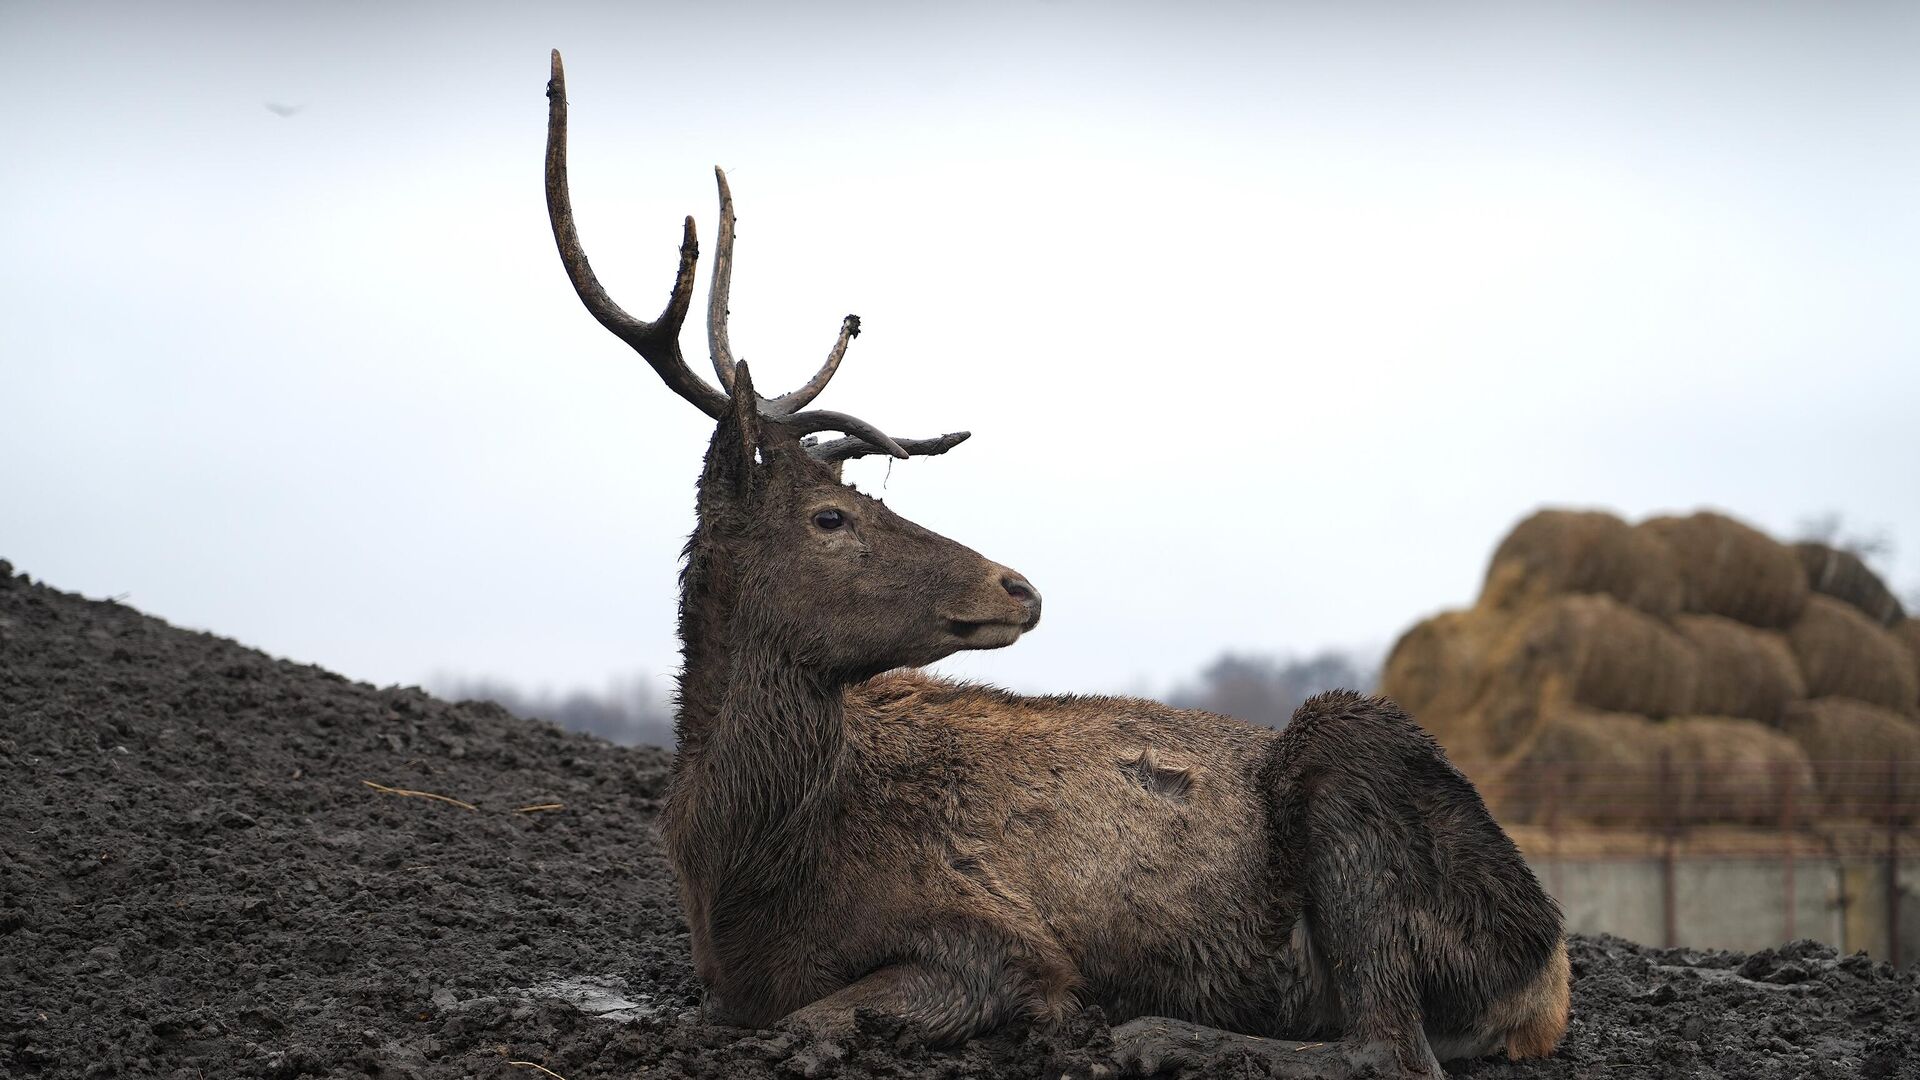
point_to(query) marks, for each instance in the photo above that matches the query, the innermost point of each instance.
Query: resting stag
(848, 833)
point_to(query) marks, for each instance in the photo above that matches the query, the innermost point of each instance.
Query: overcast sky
(1268, 319)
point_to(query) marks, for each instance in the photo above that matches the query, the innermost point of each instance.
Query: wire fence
(1784, 815)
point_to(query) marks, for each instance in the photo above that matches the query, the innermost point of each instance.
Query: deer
(851, 834)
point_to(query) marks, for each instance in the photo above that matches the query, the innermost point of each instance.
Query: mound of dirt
(197, 879)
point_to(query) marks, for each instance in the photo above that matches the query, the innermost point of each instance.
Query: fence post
(1552, 777)
(1668, 917)
(1893, 861)
(1783, 781)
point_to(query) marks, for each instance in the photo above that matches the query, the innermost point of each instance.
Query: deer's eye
(829, 520)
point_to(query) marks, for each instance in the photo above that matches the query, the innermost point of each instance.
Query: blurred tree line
(1265, 690)
(632, 712)
(1874, 547)
(1259, 689)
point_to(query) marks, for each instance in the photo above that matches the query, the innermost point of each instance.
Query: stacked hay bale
(1727, 568)
(1841, 575)
(1862, 755)
(1743, 672)
(1907, 633)
(1685, 669)
(1844, 654)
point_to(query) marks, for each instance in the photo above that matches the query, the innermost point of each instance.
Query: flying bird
(283, 111)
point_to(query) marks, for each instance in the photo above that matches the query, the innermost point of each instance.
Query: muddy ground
(196, 880)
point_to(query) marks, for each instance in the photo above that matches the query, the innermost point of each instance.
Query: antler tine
(786, 403)
(827, 420)
(658, 341)
(850, 448)
(717, 296)
(719, 300)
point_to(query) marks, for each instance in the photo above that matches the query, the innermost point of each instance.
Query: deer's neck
(760, 737)
(752, 800)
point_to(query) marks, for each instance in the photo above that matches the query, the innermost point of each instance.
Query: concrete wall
(1739, 903)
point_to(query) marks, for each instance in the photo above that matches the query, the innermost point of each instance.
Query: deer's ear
(741, 435)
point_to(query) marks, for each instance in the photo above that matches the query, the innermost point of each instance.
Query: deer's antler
(659, 341)
(721, 291)
(848, 449)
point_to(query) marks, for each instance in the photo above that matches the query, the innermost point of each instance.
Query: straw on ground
(420, 795)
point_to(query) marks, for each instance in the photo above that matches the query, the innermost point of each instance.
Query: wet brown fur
(847, 834)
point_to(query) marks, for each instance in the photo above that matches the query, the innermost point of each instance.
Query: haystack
(1436, 665)
(1596, 651)
(1570, 551)
(1649, 674)
(1590, 651)
(1845, 654)
(1604, 768)
(1499, 722)
(1741, 771)
(1743, 672)
(1907, 633)
(1727, 568)
(1861, 755)
(1583, 766)
(1841, 575)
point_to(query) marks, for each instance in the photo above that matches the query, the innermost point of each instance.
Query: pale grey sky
(1268, 319)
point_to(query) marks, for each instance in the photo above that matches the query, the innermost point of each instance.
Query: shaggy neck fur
(758, 793)
(761, 735)
(706, 618)
(709, 592)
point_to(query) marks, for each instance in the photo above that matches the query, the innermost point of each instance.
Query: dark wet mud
(197, 879)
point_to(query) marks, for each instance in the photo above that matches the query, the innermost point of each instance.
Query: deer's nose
(1023, 591)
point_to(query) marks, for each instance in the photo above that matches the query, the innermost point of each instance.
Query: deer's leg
(1156, 1046)
(1360, 927)
(946, 1008)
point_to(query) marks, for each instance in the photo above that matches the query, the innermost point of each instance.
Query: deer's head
(830, 576)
